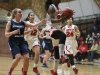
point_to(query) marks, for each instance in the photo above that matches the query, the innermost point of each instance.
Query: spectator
(94, 26)
(93, 36)
(97, 24)
(98, 38)
(80, 39)
(88, 41)
(82, 52)
(94, 52)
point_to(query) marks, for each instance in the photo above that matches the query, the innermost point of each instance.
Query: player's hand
(44, 20)
(16, 31)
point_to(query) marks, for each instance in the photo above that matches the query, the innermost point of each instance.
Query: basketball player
(47, 46)
(31, 36)
(17, 44)
(53, 26)
(71, 32)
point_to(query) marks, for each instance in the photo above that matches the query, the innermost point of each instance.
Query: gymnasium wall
(82, 7)
(4, 50)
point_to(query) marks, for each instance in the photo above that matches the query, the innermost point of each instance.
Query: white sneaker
(90, 63)
(82, 60)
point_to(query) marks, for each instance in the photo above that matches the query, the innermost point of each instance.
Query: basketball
(65, 12)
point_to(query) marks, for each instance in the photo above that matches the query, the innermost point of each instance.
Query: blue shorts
(47, 44)
(18, 47)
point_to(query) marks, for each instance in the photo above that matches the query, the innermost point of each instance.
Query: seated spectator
(93, 36)
(80, 39)
(88, 41)
(82, 52)
(98, 38)
(94, 52)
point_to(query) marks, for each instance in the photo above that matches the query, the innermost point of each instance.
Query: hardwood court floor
(5, 63)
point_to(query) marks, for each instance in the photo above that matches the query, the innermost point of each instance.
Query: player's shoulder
(65, 26)
(27, 21)
(74, 25)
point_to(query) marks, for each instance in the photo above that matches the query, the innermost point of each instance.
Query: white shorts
(32, 43)
(70, 47)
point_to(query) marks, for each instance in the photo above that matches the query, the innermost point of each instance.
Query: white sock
(73, 66)
(35, 65)
(56, 62)
(61, 50)
(66, 57)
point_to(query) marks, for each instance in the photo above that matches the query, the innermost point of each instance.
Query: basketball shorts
(18, 47)
(33, 42)
(47, 44)
(70, 47)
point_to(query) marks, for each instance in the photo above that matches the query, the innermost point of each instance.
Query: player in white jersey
(31, 36)
(71, 32)
(53, 26)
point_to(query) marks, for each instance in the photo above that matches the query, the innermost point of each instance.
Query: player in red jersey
(71, 32)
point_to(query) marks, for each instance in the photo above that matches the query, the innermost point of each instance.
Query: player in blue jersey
(17, 44)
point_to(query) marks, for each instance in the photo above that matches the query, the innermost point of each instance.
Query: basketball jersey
(14, 26)
(69, 32)
(71, 43)
(33, 33)
(49, 25)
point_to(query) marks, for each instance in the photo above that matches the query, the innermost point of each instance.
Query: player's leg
(47, 55)
(25, 53)
(62, 38)
(71, 58)
(16, 56)
(36, 50)
(25, 63)
(72, 49)
(47, 47)
(56, 55)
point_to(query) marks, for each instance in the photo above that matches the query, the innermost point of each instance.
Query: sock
(61, 50)
(24, 72)
(44, 62)
(22, 68)
(73, 66)
(35, 65)
(10, 71)
(56, 62)
(43, 56)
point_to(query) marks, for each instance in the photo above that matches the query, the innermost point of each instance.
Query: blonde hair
(14, 11)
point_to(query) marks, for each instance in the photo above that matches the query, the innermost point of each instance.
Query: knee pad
(56, 49)
(62, 39)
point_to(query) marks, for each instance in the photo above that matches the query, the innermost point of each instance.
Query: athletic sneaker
(36, 71)
(53, 73)
(41, 59)
(44, 65)
(62, 60)
(75, 70)
(8, 73)
(68, 64)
